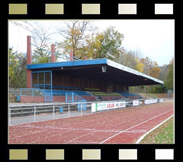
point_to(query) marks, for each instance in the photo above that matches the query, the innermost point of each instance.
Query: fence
(31, 92)
(73, 97)
(48, 97)
(19, 114)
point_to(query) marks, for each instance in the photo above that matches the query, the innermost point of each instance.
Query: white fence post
(81, 108)
(53, 111)
(34, 113)
(68, 110)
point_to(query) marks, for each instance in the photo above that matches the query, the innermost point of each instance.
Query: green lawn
(164, 134)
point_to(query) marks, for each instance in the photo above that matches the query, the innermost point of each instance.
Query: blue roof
(67, 64)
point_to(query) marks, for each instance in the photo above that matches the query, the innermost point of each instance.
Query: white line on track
(79, 137)
(47, 127)
(28, 134)
(134, 126)
(92, 130)
(142, 137)
(48, 137)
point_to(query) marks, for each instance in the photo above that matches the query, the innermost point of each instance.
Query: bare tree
(75, 33)
(41, 36)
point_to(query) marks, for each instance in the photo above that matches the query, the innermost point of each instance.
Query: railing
(26, 113)
(48, 97)
(19, 114)
(31, 92)
(73, 97)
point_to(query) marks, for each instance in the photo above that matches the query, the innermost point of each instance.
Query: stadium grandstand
(87, 80)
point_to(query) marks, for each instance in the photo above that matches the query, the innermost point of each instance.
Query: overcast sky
(153, 38)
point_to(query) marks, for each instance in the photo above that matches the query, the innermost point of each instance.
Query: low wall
(58, 98)
(89, 98)
(29, 99)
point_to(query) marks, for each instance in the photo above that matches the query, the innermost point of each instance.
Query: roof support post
(145, 92)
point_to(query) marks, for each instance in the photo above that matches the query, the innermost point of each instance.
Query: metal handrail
(79, 96)
(30, 89)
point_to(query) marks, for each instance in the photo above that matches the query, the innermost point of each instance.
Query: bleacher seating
(92, 89)
(82, 93)
(62, 92)
(130, 95)
(92, 94)
(89, 98)
(109, 98)
(98, 93)
(105, 94)
(55, 87)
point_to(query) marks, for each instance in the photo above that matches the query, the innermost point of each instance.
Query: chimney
(29, 61)
(71, 55)
(53, 57)
(29, 52)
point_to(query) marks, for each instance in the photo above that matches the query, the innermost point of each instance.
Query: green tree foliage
(17, 69)
(106, 44)
(169, 79)
(130, 59)
(162, 76)
(163, 72)
(39, 56)
(150, 67)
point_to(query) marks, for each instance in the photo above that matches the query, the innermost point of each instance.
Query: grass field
(163, 134)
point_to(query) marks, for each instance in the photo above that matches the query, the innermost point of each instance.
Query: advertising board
(136, 102)
(99, 106)
(150, 101)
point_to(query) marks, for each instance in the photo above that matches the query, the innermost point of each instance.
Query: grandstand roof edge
(67, 64)
(127, 69)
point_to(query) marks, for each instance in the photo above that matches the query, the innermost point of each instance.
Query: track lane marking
(142, 137)
(134, 126)
(93, 130)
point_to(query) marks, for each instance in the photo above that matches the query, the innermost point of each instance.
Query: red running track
(114, 127)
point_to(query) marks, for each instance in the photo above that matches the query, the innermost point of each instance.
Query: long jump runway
(119, 126)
